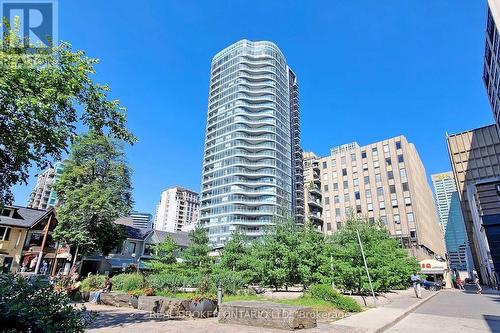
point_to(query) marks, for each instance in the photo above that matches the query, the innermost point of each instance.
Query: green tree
(236, 267)
(236, 254)
(288, 254)
(93, 190)
(163, 258)
(196, 255)
(276, 257)
(311, 253)
(388, 262)
(42, 97)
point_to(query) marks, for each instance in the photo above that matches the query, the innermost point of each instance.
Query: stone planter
(117, 299)
(169, 307)
(76, 296)
(85, 296)
(202, 309)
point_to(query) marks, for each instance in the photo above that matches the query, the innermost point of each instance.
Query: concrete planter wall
(265, 314)
(170, 307)
(202, 309)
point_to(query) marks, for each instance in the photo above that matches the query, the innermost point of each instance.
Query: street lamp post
(366, 267)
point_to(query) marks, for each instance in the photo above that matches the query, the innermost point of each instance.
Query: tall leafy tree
(93, 190)
(196, 255)
(42, 97)
(276, 254)
(236, 258)
(163, 258)
(311, 253)
(388, 262)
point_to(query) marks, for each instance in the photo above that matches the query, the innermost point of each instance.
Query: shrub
(34, 307)
(93, 282)
(231, 282)
(170, 282)
(341, 302)
(128, 282)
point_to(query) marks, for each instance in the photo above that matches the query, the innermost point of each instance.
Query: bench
(266, 314)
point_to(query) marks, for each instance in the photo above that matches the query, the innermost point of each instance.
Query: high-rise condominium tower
(43, 195)
(177, 210)
(491, 71)
(252, 164)
(383, 181)
(451, 220)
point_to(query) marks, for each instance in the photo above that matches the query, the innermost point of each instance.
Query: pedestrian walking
(460, 283)
(477, 283)
(415, 279)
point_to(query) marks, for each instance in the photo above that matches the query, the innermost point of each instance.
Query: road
(455, 311)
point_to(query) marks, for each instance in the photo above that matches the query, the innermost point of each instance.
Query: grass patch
(170, 294)
(230, 298)
(308, 301)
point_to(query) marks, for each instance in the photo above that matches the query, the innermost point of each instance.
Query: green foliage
(163, 257)
(93, 282)
(288, 254)
(94, 190)
(311, 253)
(311, 302)
(43, 96)
(388, 263)
(236, 262)
(128, 282)
(230, 282)
(35, 307)
(341, 302)
(196, 255)
(172, 282)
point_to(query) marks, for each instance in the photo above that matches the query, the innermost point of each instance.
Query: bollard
(219, 299)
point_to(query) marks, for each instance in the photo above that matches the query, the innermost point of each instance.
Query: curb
(406, 312)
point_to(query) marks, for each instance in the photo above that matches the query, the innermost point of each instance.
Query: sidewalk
(384, 316)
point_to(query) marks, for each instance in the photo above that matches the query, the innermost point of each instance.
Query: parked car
(431, 285)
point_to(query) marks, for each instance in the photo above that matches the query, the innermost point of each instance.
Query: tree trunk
(74, 259)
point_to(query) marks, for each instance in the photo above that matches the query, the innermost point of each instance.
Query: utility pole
(366, 267)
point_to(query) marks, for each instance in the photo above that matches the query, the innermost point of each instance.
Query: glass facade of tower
(491, 71)
(451, 219)
(248, 171)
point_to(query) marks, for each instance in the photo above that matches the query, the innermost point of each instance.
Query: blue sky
(368, 70)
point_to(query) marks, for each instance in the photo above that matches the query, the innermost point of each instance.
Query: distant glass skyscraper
(451, 219)
(252, 165)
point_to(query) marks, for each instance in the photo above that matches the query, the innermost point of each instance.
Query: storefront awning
(431, 266)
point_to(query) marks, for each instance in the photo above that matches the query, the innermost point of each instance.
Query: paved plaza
(448, 311)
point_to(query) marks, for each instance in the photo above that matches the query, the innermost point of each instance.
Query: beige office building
(475, 159)
(382, 181)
